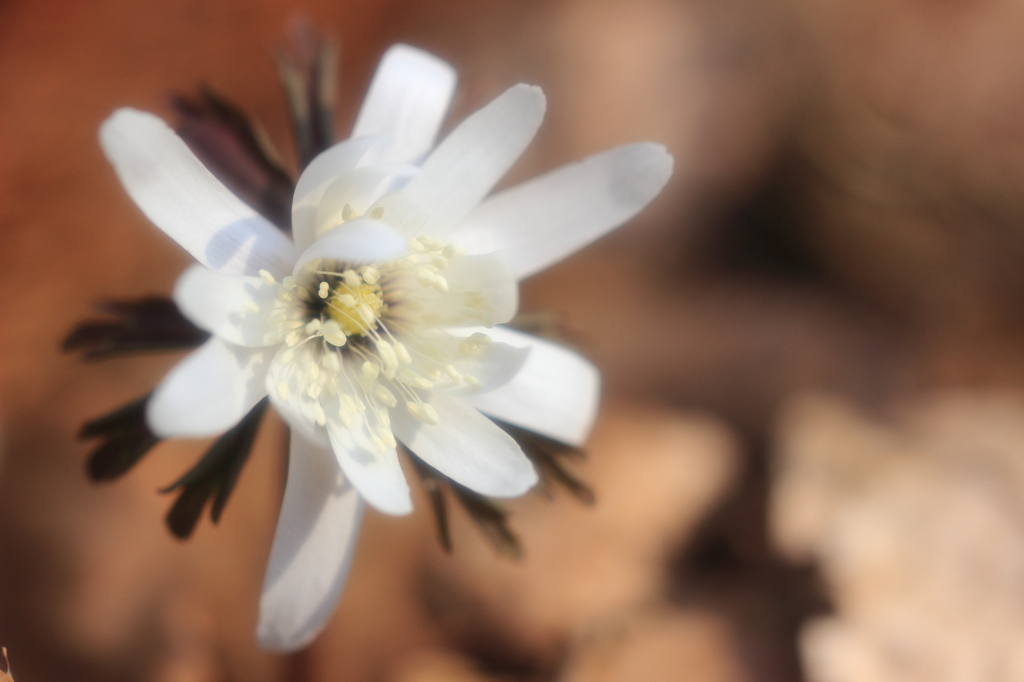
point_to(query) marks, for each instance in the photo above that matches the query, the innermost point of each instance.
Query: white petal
(376, 474)
(185, 200)
(209, 391)
(555, 393)
(357, 189)
(362, 240)
(317, 177)
(491, 365)
(406, 103)
(545, 219)
(488, 276)
(470, 161)
(480, 291)
(467, 447)
(313, 548)
(234, 307)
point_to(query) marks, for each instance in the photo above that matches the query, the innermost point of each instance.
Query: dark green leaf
(491, 518)
(126, 439)
(215, 474)
(149, 324)
(550, 458)
(307, 71)
(236, 150)
(433, 484)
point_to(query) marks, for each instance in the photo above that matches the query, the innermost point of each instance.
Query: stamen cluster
(360, 340)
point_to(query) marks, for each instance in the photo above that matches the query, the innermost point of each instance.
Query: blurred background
(810, 458)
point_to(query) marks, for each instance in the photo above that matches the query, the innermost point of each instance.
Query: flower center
(360, 341)
(356, 308)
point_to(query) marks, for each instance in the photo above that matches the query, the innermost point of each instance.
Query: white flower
(377, 322)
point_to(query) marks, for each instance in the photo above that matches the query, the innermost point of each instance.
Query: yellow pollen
(356, 308)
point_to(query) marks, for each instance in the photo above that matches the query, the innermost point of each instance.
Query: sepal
(127, 439)
(150, 324)
(215, 474)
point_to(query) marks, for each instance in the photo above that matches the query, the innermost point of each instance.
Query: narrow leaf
(126, 438)
(150, 324)
(237, 151)
(215, 474)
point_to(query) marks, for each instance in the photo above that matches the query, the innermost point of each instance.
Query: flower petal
(362, 240)
(467, 447)
(182, 198)
(317, 177)
(470, 161)
(209, 391)
(356, 190)
(312, 552)
(376, 474)
(406, 103)
(479, 291)
(490, 365)
(234, 307)
(555, 393)
(486, 276)
(542, 221)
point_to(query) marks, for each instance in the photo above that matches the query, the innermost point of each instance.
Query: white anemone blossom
(380, 321)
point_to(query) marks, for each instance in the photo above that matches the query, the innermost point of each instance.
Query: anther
(251, 306)
(321, 416)
(402, 353)
(289, 282)
(325, 290)
(345, 417)
(387, 355)
(453, 373)
(413, 409)
(347, 212)
(347, 300)
(429, 414)
(371, 275)
(313, 326)
(377, 213)
(440, 283)
(371, 370)
(282, 391)
(267, 277)
(352, 278)
(384, 395)
(333, 334)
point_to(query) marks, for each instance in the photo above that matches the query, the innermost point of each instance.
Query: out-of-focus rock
(659, 647)
(917, 525)
(655, 472)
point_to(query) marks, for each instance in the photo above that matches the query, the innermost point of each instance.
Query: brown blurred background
(810, 461)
